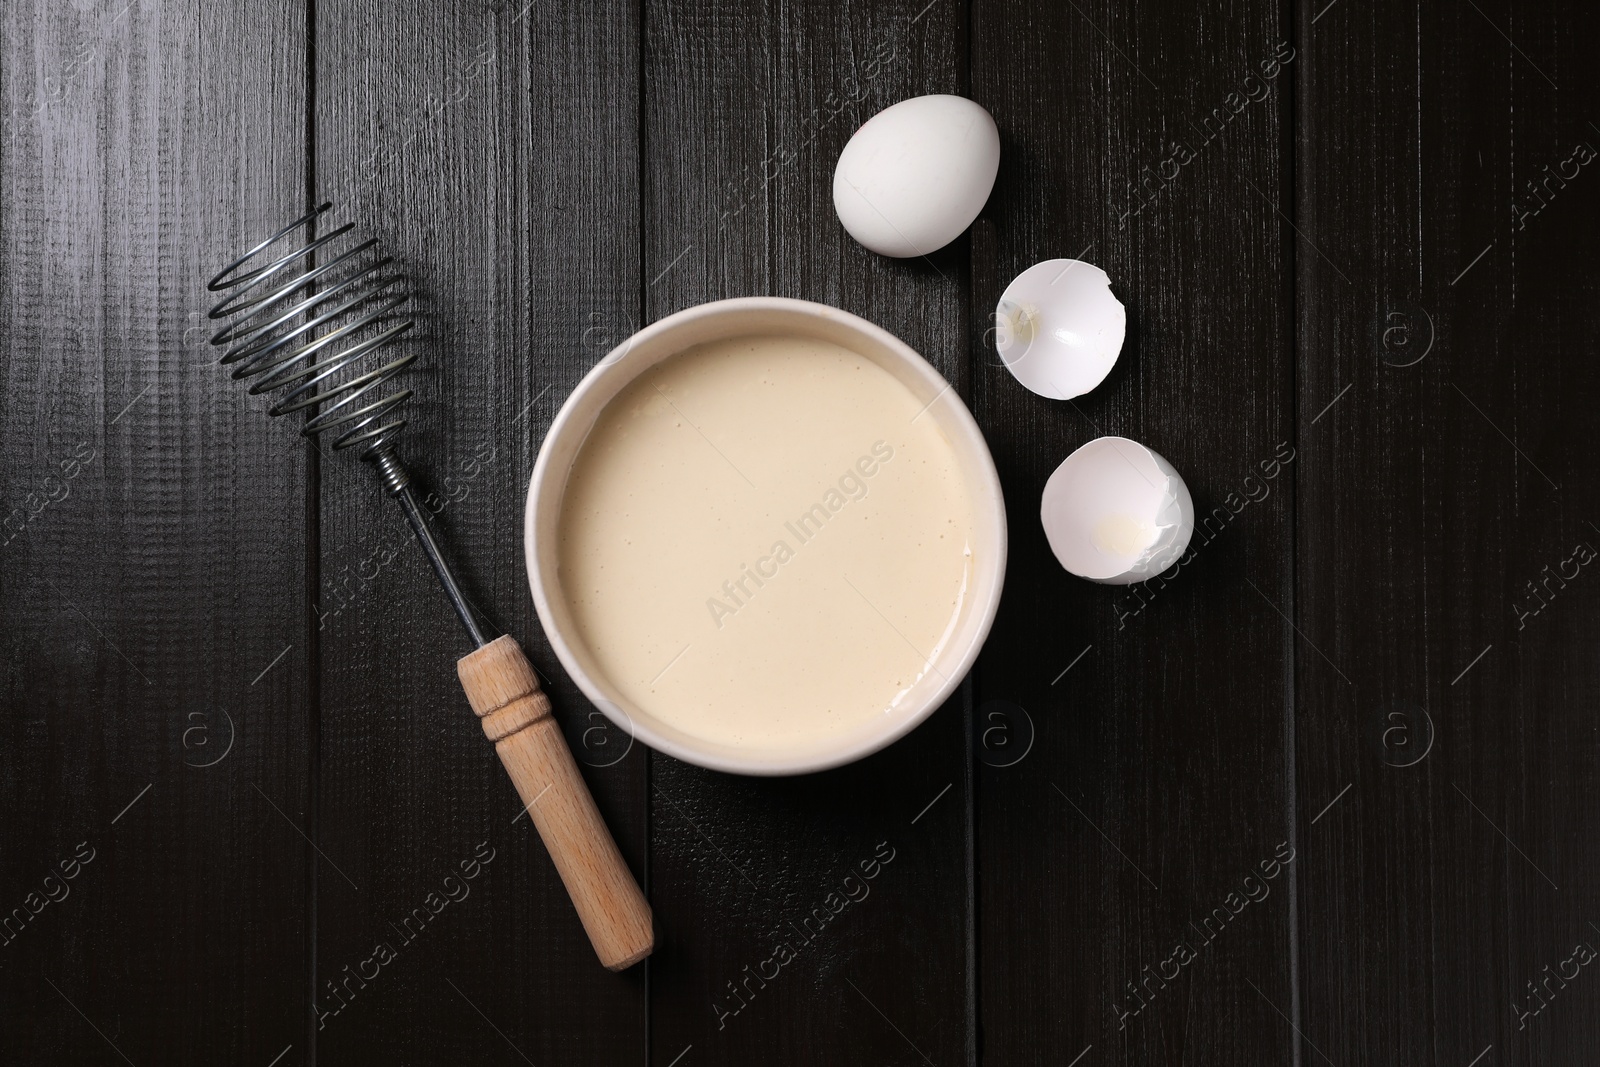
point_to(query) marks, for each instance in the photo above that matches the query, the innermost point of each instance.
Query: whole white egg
(916, 174)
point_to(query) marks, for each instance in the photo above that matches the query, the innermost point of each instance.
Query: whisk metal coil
(273, 333)
(317, 330)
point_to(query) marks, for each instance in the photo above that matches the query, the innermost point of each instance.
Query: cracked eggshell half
(1116, 512)
(1059, 329)
(916, 174)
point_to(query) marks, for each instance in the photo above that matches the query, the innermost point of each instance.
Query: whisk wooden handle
(515, 713)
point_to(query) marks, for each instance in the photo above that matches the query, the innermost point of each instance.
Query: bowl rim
(986, 496)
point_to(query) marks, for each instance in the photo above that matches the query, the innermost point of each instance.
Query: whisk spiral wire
(278, 333)
(315, 331)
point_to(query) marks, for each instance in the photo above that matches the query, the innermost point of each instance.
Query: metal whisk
(273, 336)
(318, 330)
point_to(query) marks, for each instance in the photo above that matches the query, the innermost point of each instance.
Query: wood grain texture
(745, 109)
(504, 691)
(1380, 653)
(1158, 779)
(487, 149)
(1457, 305)
(152, 565)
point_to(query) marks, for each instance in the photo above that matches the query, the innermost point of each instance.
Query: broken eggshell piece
(1116, 512)
(1058, 328)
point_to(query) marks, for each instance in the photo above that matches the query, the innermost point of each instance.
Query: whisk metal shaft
(419, 526)
(314, 330)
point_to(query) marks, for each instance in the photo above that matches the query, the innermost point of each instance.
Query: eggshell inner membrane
(1059, 329)
(1116, 512)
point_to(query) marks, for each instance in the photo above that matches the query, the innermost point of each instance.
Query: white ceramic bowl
(735, 318)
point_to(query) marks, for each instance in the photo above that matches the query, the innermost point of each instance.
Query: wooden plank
(1152, 144)
(152, 582)
(493, 151)
(745, 110)
(1388, 298)
(1456, 305)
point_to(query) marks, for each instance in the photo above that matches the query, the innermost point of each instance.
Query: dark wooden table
(1328, 795)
